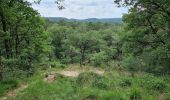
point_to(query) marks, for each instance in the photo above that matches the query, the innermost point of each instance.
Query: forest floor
(91, 83)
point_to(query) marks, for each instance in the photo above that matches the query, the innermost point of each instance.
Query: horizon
(84, 18)
(81, 9)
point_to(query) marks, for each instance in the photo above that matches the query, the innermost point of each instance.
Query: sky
(80, 9)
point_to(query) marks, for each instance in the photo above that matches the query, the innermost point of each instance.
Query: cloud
(81, 9)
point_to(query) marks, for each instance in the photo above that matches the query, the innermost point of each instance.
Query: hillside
(103, 20)
(90, 83)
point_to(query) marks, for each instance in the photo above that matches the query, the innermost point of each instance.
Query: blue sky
(81, 9)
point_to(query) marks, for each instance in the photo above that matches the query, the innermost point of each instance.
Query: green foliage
(101, 83)
(98, 59)
(85, 43)
(23, 39)
(91, 97)
(90, 85)
(7, 85)
(87, 78)
(56, 64)
(135, 94)
(125, 82)
(114, 96)
(153, 83)
(132, 64)
(91, 79)
(147, 30)
(158, 85)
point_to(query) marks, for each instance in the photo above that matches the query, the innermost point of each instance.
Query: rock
(50, 77)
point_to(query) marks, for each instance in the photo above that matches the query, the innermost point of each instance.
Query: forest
(41, 59)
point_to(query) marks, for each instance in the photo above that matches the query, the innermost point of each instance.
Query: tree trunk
(4, 27)
(16, 40)
(16, 44)
(1, 77)
(6, 43)
(82, 49)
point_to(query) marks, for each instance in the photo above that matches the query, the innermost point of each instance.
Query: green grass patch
(92, 86)
(7, 85)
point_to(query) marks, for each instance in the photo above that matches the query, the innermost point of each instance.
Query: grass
(113, 85)
(7, 85)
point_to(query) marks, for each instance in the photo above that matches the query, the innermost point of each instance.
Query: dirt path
(14, 92)
(70, 73)
(75, 73)
(50, 77)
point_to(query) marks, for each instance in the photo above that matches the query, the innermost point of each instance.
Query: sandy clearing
(76, 73)
(70, 73)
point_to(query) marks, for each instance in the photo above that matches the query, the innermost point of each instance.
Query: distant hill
(104, 20)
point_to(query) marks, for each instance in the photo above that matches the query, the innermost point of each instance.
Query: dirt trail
(70, 73)
(50, 77)
(76, 73)
(14, 93)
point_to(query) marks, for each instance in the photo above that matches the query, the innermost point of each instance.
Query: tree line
(23, 38)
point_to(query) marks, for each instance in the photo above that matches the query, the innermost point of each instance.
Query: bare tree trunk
(82, 50)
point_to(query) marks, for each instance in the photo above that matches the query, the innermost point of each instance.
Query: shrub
(125, 82)
(99, 58)
(91, 97)
(113, 96)
(153, 83)
(167, 97)
(6, 85)
(88, 79)
(11, 82)
(89, 93)
(135, 94)
(131, 64)
(100, 83)
(53, 64)
(158, 85)
(66, 60)
(56, 64)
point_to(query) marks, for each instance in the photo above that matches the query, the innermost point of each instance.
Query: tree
(22, 35)
(148, 24)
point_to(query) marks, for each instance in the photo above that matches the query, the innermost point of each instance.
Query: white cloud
(81, 9)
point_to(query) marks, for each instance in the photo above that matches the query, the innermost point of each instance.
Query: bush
(99, 58)
(57, 64)
(7, 85)
(100, 83)
(125, 82)
(158, 85)
(66, 60)
(167, 97)
(153, 83)
(135, 94)
(89, 93)
(91, 97)
(113, 96)
(89, 79)
(132, 64)
(54, 64)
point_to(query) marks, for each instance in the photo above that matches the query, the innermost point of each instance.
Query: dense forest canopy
(77, 42)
